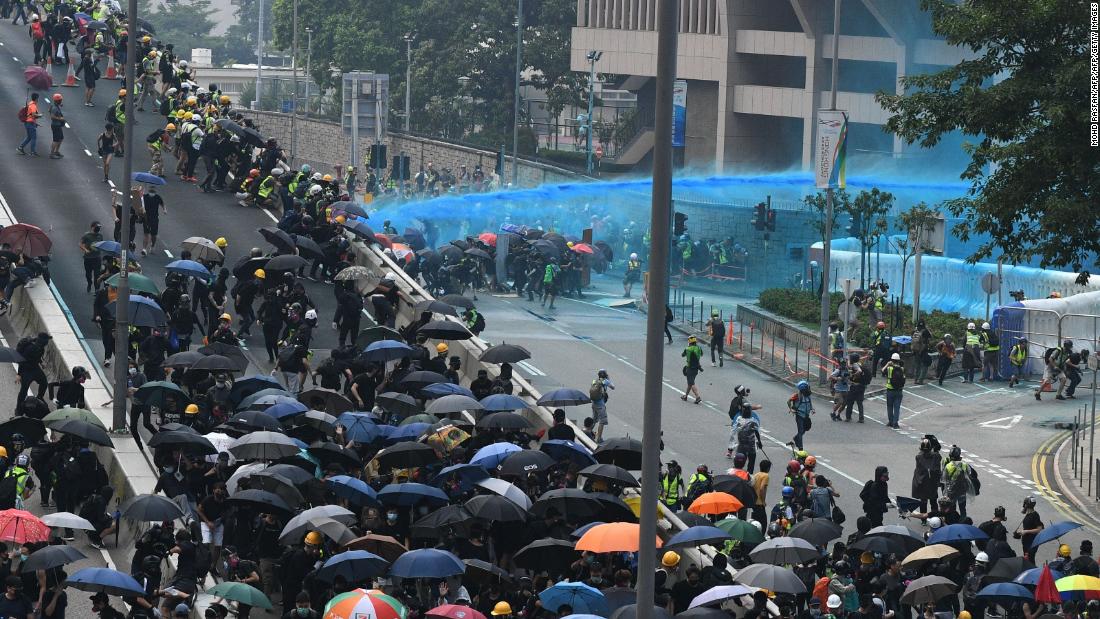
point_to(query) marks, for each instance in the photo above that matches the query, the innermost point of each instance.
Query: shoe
(713, 364)
(698, 400)
(106, 180)
(684, 398)
(1059, 397)
(143, 252)
(96, 544)
(34, 153)
(106, 363)
(1037, 396)
(20, 150)
(860, 420)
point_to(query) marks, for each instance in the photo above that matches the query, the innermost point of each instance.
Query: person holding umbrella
(101, 605)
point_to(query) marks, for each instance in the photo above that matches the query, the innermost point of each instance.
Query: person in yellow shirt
(760, 482)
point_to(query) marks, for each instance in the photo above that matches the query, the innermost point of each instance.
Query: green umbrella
(138, 283)
(154, 393)
(62, 414)
(421, 418)
(742, 530)
(240, 592)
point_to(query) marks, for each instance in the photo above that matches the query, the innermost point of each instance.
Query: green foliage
(1024, 98)
(816, 203)
(799, 305)
(239, 43)
(185, 23)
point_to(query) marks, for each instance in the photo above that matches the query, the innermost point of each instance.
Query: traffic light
(856, 225)
(679, 225)
(405, 167)
(499, 167)
(760, 219)
(378, 156)
(771, 220)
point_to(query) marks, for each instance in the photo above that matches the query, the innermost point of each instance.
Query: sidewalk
(1074, 494)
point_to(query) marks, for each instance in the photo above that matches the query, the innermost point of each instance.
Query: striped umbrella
(364, 604)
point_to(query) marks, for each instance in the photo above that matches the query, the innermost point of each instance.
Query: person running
(946, 350)
(1055, 359)
(153, 206)
(107, 147)
(692, 354)
(90, 73)
(716, 331)
(801, 405)
(57, 126)
(859, 379)
(29, 116)
(841, 382)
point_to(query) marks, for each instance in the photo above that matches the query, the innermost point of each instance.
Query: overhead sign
(832, 140)
(679, 111)
(371, 93)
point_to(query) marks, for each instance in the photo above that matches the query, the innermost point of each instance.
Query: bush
(800, 305)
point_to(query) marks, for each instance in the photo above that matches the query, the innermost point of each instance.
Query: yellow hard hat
(1064, 551)
(964, 614)
(221, 242)
(327, 178)
(170, 127)
(226, 317)
(692, 339)
(441, 348)
(866, 558)
(3, 451)
(224, 99)
(501, 608)
(188, 116)
(122, 92)
(569, 244)
(260, 273)
(146, 39)
(313, 538)
(192, 409)
(670, 559)
(192, 100)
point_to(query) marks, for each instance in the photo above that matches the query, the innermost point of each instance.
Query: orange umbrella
(613, 537)
(715, 503)
(488, 238)
(402, 251)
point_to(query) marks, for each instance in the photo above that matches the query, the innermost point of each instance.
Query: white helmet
(316, 177)
(389, 276)
(311, 314)
(756, 523)
(234, 138)
(183, 64)
(633, 256)
(833, 601)
(276, 171)
(971, 325)
(934, 522)
(172, 91)
(314, 190)
(982, 558)
(985, 325)
(202, 91)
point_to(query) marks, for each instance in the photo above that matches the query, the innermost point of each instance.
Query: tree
(917, 223)
(868, 211)
(186, 23)
(239, 43)
(1024, 98)
(817, 203)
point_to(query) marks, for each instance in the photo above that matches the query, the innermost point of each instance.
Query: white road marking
(530, 369)
(67, 126)
(111, 183)
(1012, 420)
(270, 216)
(87, 152)
(167, 253)
(15, 59)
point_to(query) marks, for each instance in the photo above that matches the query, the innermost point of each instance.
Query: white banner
(832, 139)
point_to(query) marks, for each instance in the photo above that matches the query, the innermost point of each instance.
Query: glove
(335, 326)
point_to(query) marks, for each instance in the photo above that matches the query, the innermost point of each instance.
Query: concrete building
(757, 71)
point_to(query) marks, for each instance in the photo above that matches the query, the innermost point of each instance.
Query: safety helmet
(192, 409)
(259, 273)
(955, 453)
(327, 178)
(22, 460)
(811, 462)
(183, 64)
(316, 177)
(170, 127)
(172, 91)
(313, 538)
(633, 256)
(501, 608)
(670, 559)
(441, 348)
(152, 53)
(895, 357)
(985, 325)
(146, 39)
(935, 522)
(3, 452)
(692, 339)
(224, 99)
(314, 190)
(788, 492)
(965, 614)
(803, 385)
(981, 557)
(192, 100)
(793, 467)
(971, 325)
(311, 314)
(833, 602)
(226, 317)
(276, 171)
(1064, 551)
(221, 242)
(880, 325)
(569, 244)
(122, 92)
(340, 219)
(57, 97)
(34, 17)
(254, 173)
(390, 276)
(188, 115)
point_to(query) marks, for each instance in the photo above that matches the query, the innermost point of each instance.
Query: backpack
(746, 434)
(24, 346)
(597, 392)
(36, 31)
(24, 115)
(698, 488)
(109, 114)
(1055, 355)
(897, 378)
(8, 486)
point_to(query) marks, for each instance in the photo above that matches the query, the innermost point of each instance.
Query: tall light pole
(593, 57)
(826, 248)
(309, 62)
(294, 99)
(259, 55)
(409, 38)
(515, 117)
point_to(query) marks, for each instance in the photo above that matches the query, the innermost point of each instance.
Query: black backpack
(698, 488)
(154, 136)
(746, 435)
(8, 485)
(865, 375)
(897, 378)
(24, 346)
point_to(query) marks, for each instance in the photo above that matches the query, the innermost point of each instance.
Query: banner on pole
(679, 111)
(832, 141)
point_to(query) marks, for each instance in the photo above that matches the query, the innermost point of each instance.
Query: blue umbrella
(284, 410)
(385, 430)
(1054, 531)
(267, 400)
(957, 533)
(1031, 577)
(411, 493)
(579, 533)
(490, 456)
(697, 536)
(386, 350)
(353, 565)
(145, 177)
(361, 427)
(105, 580)
(439, 390)
(189, 268)
(409, 432)
(427, 563)
(254, 397)
(355, 490)
(564, 397)
(112, 248)
(559, 449)
(580, 597)
(503, 402)
(144, 312)
(246, 386)
(1006, 592)
(468, 475)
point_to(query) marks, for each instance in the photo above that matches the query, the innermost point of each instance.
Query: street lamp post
(259, 56)
(294, 102)
(515, 117)
(826, 245)
(463, 84)
(409, 38)
(309, 61)
(593, 57)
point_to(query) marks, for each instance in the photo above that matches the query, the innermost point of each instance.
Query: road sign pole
(355, 124)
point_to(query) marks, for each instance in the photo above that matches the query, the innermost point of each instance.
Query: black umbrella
(286, 262)
(505, 353)
(573, 504)
(279, 238)
(495, 508)
(422, 378)
(229, 351)
(280, 485)
(251, 136)
(352, 208)
(215, 363)
(520, 463)
(406, 455)
(550, 554)
(547, 249)
(175, 427)
(246, 266)
(462, 244)
(1008, 568)
(623, 451)
(327, 401)
(150, 508)
(263, 500)
(693, 520)
(82, 429)
(295, 474)
(255, 420)
(308, 247)
(817, 531)
(399, 403)
(184, 359)
(450, 253)
(739, 488)
(453, 403)
(457, 300)
(371, 335)
(228, 125)
(564, 397)
(478, 253)
(614, 508)
(189, 441)
(145, 25)
(7, 355)
(50, 557)
(328, 452)
(504, 421)
(436, 307)
(32, 430)
(612, 473)
(444, 330)
(879, 545)
(483, 573)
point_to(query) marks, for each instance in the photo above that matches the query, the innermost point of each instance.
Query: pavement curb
(1078, 499)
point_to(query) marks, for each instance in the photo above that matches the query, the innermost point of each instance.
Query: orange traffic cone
(70, 77)
(112, 72)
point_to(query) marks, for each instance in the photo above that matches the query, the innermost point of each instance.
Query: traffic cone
(112, 72)
(70, 77)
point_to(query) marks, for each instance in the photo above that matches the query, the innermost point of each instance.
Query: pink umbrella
(38, 78)
(26, 239)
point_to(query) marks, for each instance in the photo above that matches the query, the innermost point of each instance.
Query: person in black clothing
(42, 457)
(349, 311)
(875, 496)
(363, 387)
(154, 350)
(454, 367)
(687, 590)
(1029, 527)
(13, 603)
(153, 205)
(271, 318)
(1085, 564)
(144, 607)
(668, 320)
(184, 321)
(243, 298)
(70, 392)
(106, 321)
(30, 369)
(296, 563)
(267, 549)
(184, 583)
(101, 605)
(560, 431)
(210, 149)
(481, 386)
(216, 300)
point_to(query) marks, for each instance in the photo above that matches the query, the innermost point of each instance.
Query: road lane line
(167, 253)
(67, 126)
(87, 152)
(270, 216)
(111, 183)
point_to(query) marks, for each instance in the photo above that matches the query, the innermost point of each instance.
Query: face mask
(22, 557)
(133, 371)
(391, 517)
(302, 612)
(96, 229)
(596, 580)
(169, 469)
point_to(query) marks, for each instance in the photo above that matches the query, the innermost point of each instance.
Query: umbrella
(505, 353)
(741, 489)
(359, 228)
(427, 563)
(1045, 590)
(355, 272)
(327, 401)
(817, 531)
(908, 538)
(457, 300)
(284, 410)
(215, 363)
(611, 473)
(353, 565)
(181, 439)
(438, 390)
(406, 455)
(468, 475)
(418, 419)
(248, 385)
(1054, 531)
(228, 125)
(355, 490)
(614, 509)
(1086, 585)
(144, 312)
(697, 536)
(328, 452)
(546, 248)
(1005, 592)
(454, 403)
(1030, 577)
(373, 334)
(399, 403)
(241, 593)
(203, 249)
(51, 556)
(478, 253)
(82, 429)
(264, 396)
(255, 420)
(137, 283)
(382, 545)
(504, 421)
(495, 508)
(489, 238)
(576, 453)
(550, 554)
(67, 520)
(877, 544)
(96, 24)
(308, 247)
(247, 265)
(263, 446)
(492, 455)
(525, 461)
(32, 430)
(612, 537)
(422, 378)
(741, 530)
(282, 487)
(454, 611)
(583, 248)
(351, 208)
(928, 590)
(411, 493)
(770, 577)
(8, 355)
(262, 500)
(564, 397)
(364, 604)
(1006, 569)
(333, 529)
(286, 262)
(505, 489)
(445, 330)
(957, 533)
(784, 551)
(150, 508)
(183, 360)
(622, 451)
(295, 474)
(189, 268)
(282, 240)
(360, 427)
(156, 392)
(38, 78)
(580, 597)
(145, 177)
(387, 350)
(105, 580)
(717, 595)
(504, 402)
(62, 414)
(930, 553)
(715, 503)
(436, 307)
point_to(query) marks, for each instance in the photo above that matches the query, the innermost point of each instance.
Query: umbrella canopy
(908, 538)
(189, 268)
(455, 403)
(492, 455)
(495, 508)
(717, 595)
(67, 520)
(928, 590)
(51, 556)
(427, 563)
(149, 179)
(457, 300)
(308, 247)
(445, 330)
(183, 360)
(285, 410)
(1046, 590)
(741, 530)
(422, 378)
(353, 489)
(263, 500)
(353, 565)
(550, 554)
(264, 397)
(623, 451)
(877, 544)
(32, 430)
(359, 427)
(104, 580)
(612, 537)
(520, 463)
(137, 283)
(82, 429)
(406, 455)
(62, 414)
(255, 420)
(387, 350)
(580, 597)
(957, 533)
(930, 553)
(8, 355)
(202, 248)
(399, 403)
(1005, 592)
(359, 228)
(330, 402)
(264, 446)
(331, 452)
(502, 488)
(156, 392)
(150, 508)
(241, 593)
(355, 272)
(784, 551)
(285, 262)
(364, 604)
(382, 545)
(26, 240)
(505, 353)
(570, 451)
(467, 475)
(279, 238)
(504, 402)
(39, 78)
(411, 493)
(215, 363)
(295, 530)
(571, 503)
(770, 577)
(739, 488)
(697, 536)
(564, 397)
(438, 390)
(1007, 569)
(715, 503)
(1029, 578)
(453, 611)
(817, 531)
(436, 307)
(1054, 531)
(282, 487)
(504, 421)
(144, 312)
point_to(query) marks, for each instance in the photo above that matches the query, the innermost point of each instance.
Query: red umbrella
(488, 238)
(26, 239)
(19, 527)
(583, 248)
(1046, 591)
(38, 78)
(384, 240)
(454, 611)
